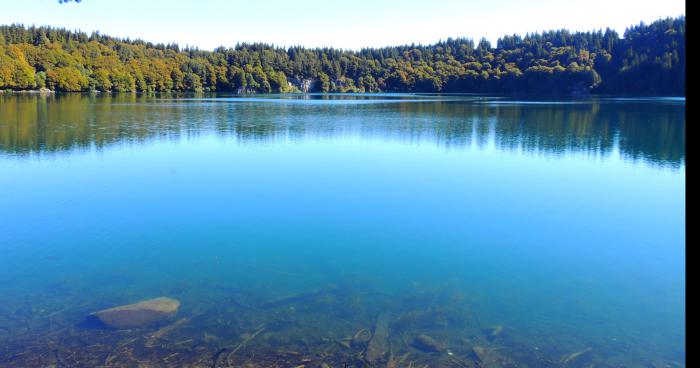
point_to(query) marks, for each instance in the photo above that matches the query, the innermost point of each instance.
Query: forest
(649, 59)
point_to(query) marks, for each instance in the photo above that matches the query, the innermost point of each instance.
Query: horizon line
(128, 39)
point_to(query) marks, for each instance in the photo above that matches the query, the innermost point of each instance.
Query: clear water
(287, 224)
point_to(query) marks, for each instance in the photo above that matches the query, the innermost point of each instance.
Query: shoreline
(47, 92)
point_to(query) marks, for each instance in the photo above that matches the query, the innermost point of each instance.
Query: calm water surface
(524, 233)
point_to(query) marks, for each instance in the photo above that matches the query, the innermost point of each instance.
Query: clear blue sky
(350, 24)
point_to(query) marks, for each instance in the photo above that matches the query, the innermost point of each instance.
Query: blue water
(562, 222)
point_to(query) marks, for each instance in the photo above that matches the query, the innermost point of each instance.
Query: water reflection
(652, 131)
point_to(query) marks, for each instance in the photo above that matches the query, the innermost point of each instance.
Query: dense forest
(648, 59)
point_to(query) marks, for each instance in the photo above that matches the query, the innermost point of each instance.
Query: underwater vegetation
(333, 326)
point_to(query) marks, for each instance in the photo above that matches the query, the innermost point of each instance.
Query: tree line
(647, 59)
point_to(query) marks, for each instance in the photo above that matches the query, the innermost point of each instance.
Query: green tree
(324, 83)
(66, 79)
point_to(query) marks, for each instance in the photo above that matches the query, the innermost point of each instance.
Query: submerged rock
(429, 318)
(493, 332)
(379, 344)
(141, 314)
(428, 344)
(479, 353)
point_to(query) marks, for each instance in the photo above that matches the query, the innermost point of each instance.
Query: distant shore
(42, 91)
(530, 95)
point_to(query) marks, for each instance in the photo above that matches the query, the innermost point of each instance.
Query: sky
(319, 23)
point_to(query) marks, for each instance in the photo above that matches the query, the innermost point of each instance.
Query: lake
(344, 230)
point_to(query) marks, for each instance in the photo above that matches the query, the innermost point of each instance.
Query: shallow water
(521, 233)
